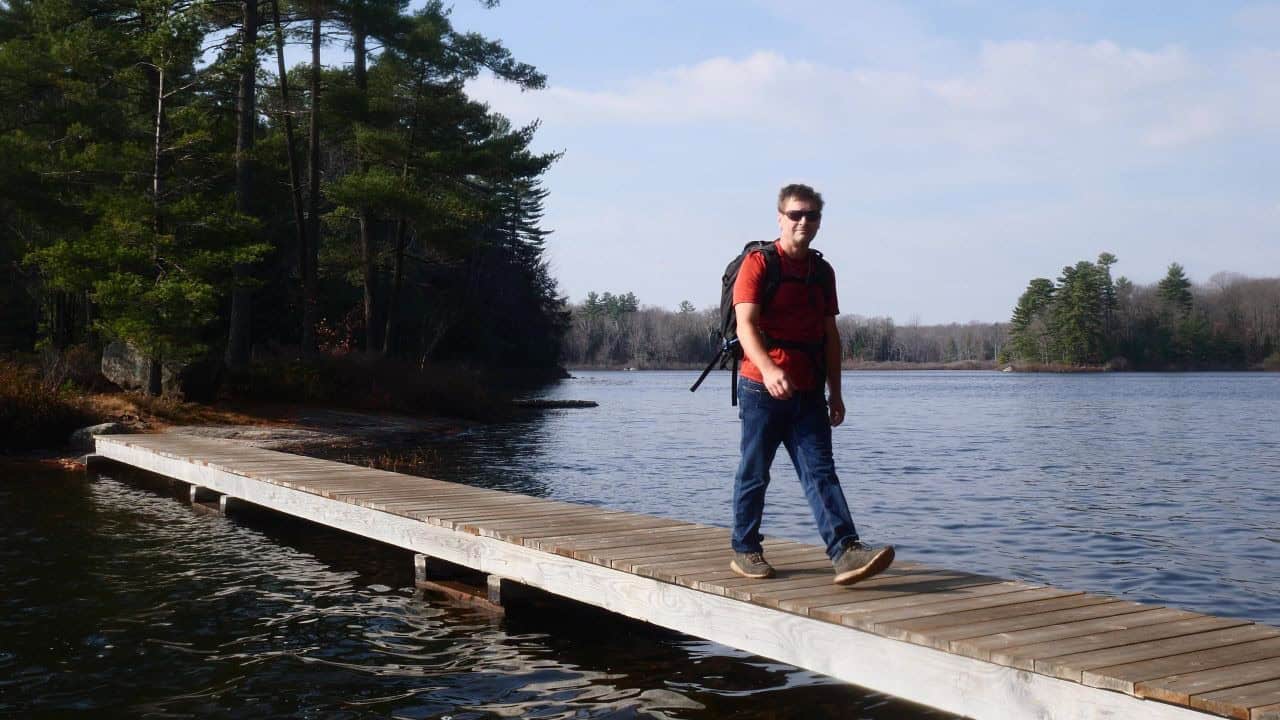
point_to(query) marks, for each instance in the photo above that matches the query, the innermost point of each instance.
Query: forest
(609, 330)
(171, 184)
(1083, 320)
(1086, 318)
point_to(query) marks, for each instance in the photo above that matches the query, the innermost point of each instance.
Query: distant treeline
(1085, 318)
(609, 330)
(161, 186)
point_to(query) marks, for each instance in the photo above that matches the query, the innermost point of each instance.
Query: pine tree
(1027, 339)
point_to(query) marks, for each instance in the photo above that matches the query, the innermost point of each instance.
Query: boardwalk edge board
(954, 683)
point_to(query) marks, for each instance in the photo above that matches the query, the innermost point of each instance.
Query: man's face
(798, 222)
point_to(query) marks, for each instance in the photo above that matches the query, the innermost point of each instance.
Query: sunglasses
(797, 215)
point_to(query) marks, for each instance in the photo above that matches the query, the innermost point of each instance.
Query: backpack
(730, 350)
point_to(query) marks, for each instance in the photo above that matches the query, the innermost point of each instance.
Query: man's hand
(835, 407)
(777, 382)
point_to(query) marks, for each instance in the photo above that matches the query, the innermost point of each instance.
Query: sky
(963, 147)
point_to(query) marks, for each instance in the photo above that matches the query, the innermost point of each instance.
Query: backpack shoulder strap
(823, 274)
(772, 272)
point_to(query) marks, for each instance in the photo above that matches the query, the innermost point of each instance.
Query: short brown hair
(803, 193)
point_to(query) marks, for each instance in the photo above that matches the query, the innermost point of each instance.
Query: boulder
(197, 380)
(123, 365)
(82, 439)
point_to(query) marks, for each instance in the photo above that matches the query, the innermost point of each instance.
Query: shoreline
(971, 366)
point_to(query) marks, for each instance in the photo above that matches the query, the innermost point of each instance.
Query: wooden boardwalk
(970, 644)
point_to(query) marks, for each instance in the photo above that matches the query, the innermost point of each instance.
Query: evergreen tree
(1175, 290)
(1027, 336)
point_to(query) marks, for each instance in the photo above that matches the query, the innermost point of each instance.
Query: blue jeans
(801, 424)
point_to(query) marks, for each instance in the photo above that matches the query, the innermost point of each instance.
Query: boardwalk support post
(227, 503)
(499, 590)
(421, 569)
(200, 493)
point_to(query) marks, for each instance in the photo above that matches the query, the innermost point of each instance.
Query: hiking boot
(859, 562)
(751, 565)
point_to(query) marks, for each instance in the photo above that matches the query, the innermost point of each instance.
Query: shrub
(1272, 362)
(35, 413)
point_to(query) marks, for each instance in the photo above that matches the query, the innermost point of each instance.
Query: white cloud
(1020, 94)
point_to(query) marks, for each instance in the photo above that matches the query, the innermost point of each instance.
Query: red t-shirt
(797, 313)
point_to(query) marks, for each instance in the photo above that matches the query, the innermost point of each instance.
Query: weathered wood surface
(976, 645)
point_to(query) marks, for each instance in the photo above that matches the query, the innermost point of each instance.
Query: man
(791, 346)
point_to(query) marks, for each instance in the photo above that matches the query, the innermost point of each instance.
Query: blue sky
(963, 147)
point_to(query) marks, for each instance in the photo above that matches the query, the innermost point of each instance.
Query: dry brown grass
(35, 413)
(157, 413)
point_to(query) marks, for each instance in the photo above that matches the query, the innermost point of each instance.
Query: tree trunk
(368, 254)
(239, 340)
(295, 183)
(371, 328)
(155, 376)
(389, 345)
(391, 337)
(154, 386)
(310, 303)
(157, 149)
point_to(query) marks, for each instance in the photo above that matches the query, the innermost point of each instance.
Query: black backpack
(730, 349)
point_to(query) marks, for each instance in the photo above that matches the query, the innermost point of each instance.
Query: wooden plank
(980, 648)
(1154, 673)
(413, 507)
(421, 501)
(1240, 702)
(1180, 687)
(587, 514)
(334, 486)
(928, 585)
(718, 581)
(429, 502)
(1214, 632)
(805, 584)
(449, 517)
(686, 549)
(1061, 610)
(809, 557)
(718, 559)
(392, 491)
(1267, 712)
(781, 591)
(712, 543)
(1025, 656)
(675, 561)
(678, 552)
(952, 612)
(519, 534)
(440, 517)
(709, 578)
(568, 544)
(845, 613)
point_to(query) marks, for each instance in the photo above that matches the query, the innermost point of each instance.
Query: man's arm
(775, 378)
(835, 398)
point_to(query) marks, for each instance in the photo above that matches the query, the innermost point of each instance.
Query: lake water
(1157, 488)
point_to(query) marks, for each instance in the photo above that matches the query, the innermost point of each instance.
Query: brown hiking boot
(751, 565)
(859, 562)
